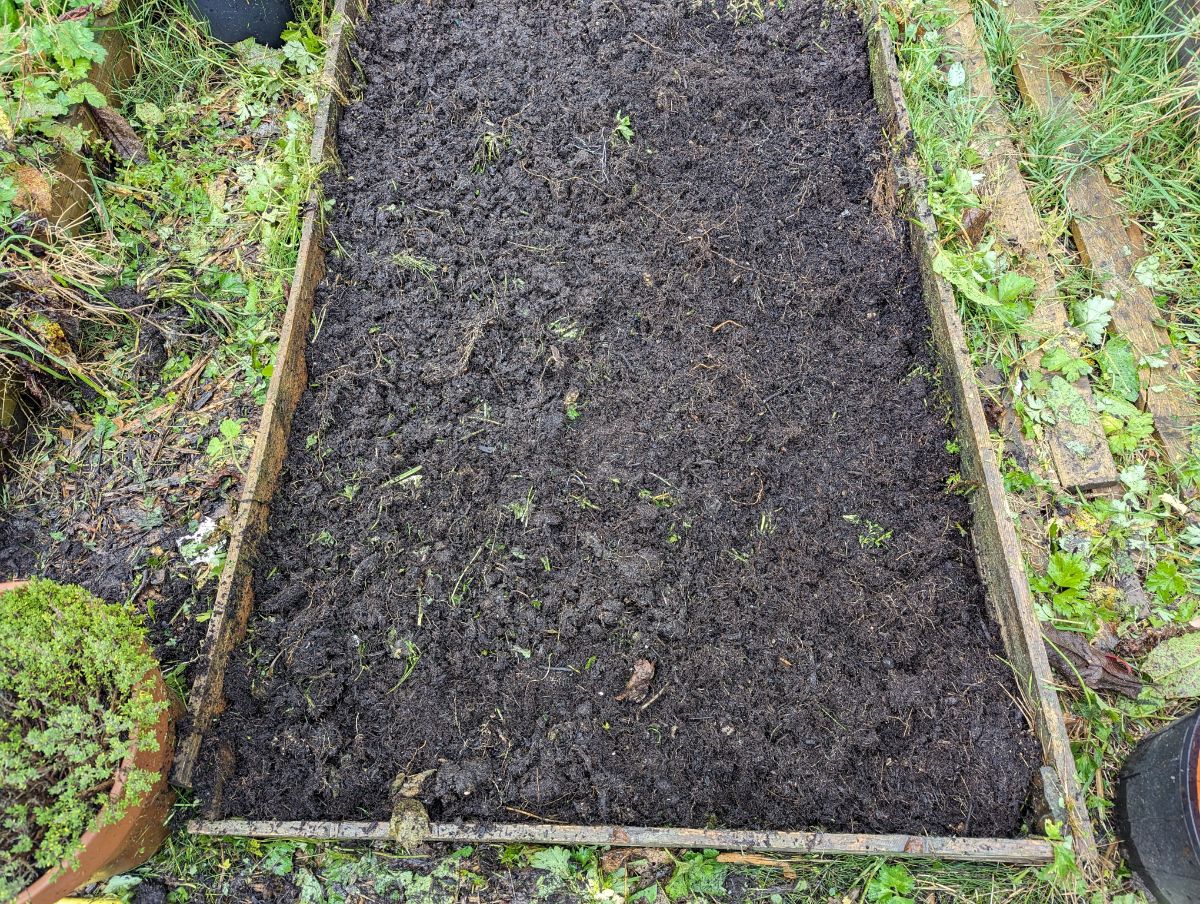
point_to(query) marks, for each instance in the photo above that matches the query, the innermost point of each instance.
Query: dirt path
(579, 401)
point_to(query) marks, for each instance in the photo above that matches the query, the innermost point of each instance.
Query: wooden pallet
(995, 539)
(1077, 444)
(1098, 226)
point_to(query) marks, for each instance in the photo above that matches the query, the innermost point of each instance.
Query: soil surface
(583, 398)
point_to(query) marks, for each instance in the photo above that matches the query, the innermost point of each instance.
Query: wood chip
(33, 191)
(973, 223)
(639, 682)
(757, 860)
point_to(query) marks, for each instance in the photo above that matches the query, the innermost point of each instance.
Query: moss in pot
(79, 691)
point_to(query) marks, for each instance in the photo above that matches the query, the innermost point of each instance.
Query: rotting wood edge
(998, 850)
(71, 193)
(995, 540)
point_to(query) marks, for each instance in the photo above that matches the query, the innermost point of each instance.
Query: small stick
(661, 691)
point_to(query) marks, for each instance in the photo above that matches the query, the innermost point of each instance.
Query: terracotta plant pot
(130, 841)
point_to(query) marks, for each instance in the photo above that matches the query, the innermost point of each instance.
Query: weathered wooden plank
(992, 850)
(71, 193)
(997, 545)
(234, 601)
(1099, 229)
(1077, 443)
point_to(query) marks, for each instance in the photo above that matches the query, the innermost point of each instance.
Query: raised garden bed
(587, 394)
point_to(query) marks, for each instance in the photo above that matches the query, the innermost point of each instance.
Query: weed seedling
(583, 502)
(227, 446)
(490, 149)
(622, 130)
(660, 500)
(522, 508)
(874, 536)
(411, 654)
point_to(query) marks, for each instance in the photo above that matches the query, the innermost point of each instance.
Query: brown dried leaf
(1074, 657)
(116, 130)
(973, 223)
(639, 682)
(33, 191)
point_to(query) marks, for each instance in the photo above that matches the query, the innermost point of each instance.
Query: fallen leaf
(33, 191)
(973, 223)
(1175, 666)
(639, 682)
(1074, 658)
(117, 131)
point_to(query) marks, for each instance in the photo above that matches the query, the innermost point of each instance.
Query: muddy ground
(584, 395)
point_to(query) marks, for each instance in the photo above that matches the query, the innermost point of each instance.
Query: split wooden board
(995, 539)
(1099, 230)
(1077, 444)
(997, 546)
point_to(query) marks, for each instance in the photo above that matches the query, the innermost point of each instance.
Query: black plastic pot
(236, 20)
(1158, 811)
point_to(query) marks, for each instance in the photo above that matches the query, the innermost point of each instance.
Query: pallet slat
(1099, 230)
(1077, 443)
(995, 850)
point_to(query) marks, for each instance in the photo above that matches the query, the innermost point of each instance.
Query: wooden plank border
(234, 601)
(1027, 851)
(995, 540)
(997, 545)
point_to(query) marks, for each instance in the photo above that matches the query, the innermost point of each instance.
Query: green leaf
(554, 860)
(149, 114)
(1165, 581)
(1174, 666)
(1134, 478)
(952, 267)
(1013, 286)
(1119, 365)
(891, 884)
(230, 429)
(1093, 317)
(1067, 570)
(1059, 359)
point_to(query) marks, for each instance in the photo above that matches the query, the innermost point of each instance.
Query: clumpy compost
(581, 398)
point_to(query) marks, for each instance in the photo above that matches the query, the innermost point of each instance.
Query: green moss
(71, 703)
